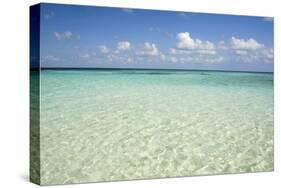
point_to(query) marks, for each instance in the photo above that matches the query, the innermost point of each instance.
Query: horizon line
(176, 69)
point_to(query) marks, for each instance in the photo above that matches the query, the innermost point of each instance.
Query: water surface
(104, 125)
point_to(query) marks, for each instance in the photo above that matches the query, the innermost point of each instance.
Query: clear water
(106, 125)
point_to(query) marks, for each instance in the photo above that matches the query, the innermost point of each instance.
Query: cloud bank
(186, 49)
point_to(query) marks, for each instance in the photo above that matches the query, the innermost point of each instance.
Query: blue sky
(87, 36)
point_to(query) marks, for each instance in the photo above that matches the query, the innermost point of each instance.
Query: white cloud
(174, 51)
(185, 42)
(243, 44)
(241, 52)
(263, 55)
(123, 45)
(116, 52)
(249, 50)
(85, 56)
(214, 60)
(48, 15)
(128, 10)
(104, 49)
(268, 53)
(186, 59)
(182, 14)
(149, 49)
(173, 59)
(250, 58)
(51, 58)
(188, 50)
(222, 45)
(268, 19)
(163, 57)
(129, 60)
(58, 35)
(195, 58)
(207, 52)
(111, 57)
(67, 35)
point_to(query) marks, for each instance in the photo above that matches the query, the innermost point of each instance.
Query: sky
(102, 37)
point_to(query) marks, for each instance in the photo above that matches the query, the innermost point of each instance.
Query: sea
(123, 124)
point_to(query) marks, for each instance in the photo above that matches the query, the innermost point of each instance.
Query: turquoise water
(106, 125)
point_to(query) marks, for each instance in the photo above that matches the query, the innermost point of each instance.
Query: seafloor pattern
(120, 125)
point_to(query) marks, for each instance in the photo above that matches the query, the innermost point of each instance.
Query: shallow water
(105, 125)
